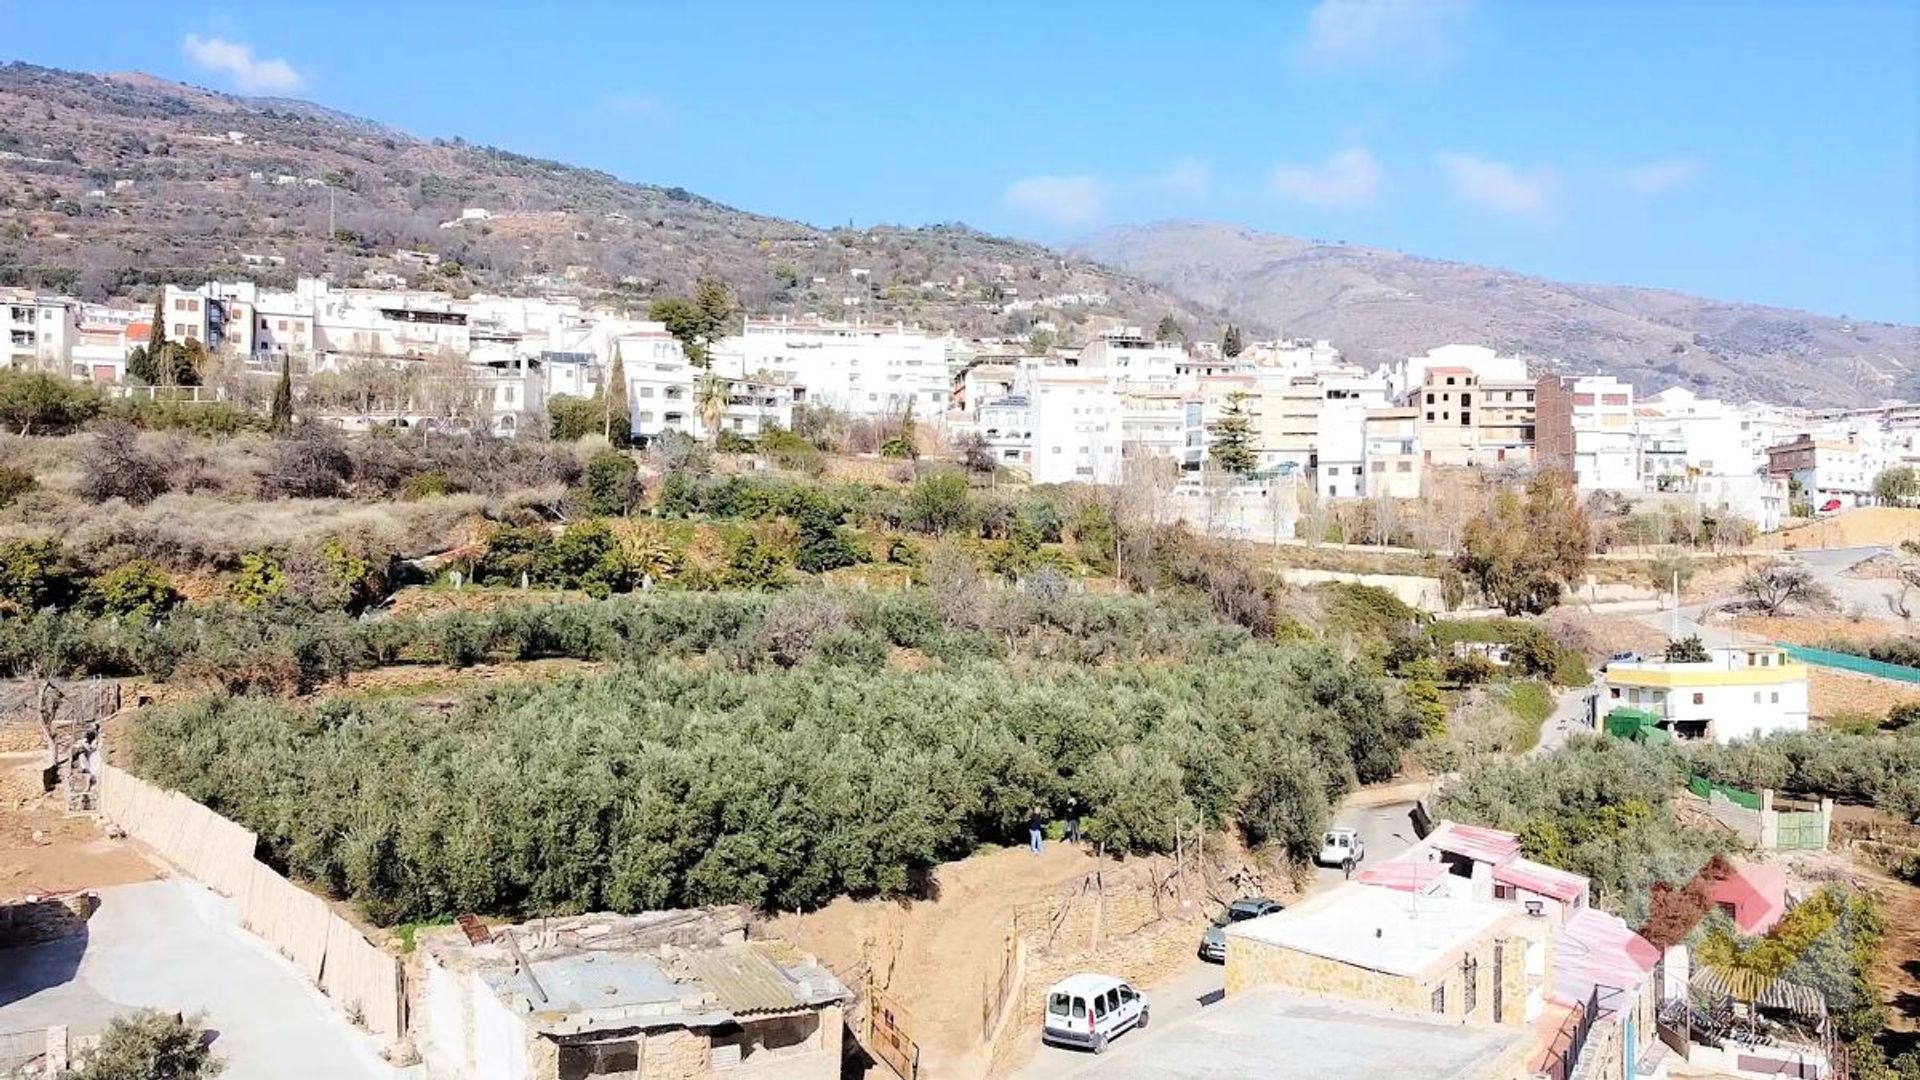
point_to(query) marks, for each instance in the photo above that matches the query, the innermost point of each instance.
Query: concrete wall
(463, 1029)
(1253, 963)
(364, 979)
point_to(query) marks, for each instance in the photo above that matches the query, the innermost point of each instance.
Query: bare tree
(1778, 584)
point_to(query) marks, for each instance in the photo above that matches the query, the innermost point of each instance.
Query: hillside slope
(1378, 304)
(115, 180)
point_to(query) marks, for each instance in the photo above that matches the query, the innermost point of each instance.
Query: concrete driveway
(1198, 986)
(173, 945)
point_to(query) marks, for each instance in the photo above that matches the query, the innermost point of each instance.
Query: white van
(1089, 1009)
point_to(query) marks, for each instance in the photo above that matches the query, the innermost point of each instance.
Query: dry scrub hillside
(192, 211)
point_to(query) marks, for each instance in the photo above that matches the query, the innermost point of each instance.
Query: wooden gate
(887, 1039)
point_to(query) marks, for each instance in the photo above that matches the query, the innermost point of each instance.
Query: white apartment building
(1130, 357)
(36, 332)
(663, 391)
(1830, 473)
(1342, 467)
(1746, 692)
(1392, 452)
(1006, 423)
(1585, 424)
(860, 368)
(1757, 497)
(1076, 425)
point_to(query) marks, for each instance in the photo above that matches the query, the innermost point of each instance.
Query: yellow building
(1736, 693)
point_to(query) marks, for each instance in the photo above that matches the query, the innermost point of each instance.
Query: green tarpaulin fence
(1848, 662)
(1702, 787)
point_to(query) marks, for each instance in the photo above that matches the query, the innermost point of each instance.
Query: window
(1615, 691)
(1756, 697)
(1100, 1006)
(1356, 470)
(600, 1059)
(1429, 401)
(644, 391)
(1775, 699)
(1440, 998)
(1378, 466)
(1127, 995)
(1403, 466)
(1079, 1008)
(1465, 400)
(1470, 975)
(1699, 698)
(1429, 412)
(1466, 419)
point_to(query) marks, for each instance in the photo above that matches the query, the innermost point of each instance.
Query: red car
(1830, 506)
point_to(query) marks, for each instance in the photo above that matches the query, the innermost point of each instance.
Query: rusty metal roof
(742, 978)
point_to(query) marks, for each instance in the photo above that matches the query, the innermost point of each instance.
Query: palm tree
(710, 403)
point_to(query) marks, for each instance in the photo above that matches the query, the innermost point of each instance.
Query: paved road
(1198, 985)
(174, 946)
(1572, 712)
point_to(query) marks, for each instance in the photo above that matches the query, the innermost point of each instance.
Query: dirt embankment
(42, 850)
(945, 961)
(1868, 527)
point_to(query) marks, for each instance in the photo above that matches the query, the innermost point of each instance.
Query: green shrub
(612, 484)
(138, 590)
(732, 442)
(426, 485)
(149, 1045)
(1903, 715)
(37, 574)
(260, 581)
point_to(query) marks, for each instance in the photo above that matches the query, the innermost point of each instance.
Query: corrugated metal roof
(1598, 949)
(1478, 844)
(1540, 878)
(742, 979)
(1402, 874)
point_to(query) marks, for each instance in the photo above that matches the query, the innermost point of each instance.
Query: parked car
(1213, 943)
(1090, 1009)
(1620, 658)
(1341, 846)
(1830, 506)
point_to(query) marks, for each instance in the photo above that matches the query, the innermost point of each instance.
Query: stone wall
(1134, 923)
(1253, 963)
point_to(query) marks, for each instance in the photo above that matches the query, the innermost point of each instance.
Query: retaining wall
(366, 980)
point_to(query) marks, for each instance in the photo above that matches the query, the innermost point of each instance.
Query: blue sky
(1746, 149)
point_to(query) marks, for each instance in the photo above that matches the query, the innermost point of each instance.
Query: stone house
(671, 995)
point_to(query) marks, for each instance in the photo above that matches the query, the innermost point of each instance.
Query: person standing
(1035, 823)
(1073, 820)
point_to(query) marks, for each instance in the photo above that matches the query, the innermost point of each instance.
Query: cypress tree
(157, 333)
(280, 420)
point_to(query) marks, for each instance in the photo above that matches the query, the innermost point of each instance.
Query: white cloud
(1498, 186)
(1361, 33)
(1064, 200)
(1653, 177)
(642, 107)
(1189, 176)
(248, 73)
(1347, 179)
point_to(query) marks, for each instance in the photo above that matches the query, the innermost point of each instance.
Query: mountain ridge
(1380, 304)
(198, 202)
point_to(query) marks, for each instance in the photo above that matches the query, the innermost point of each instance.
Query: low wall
(366, 980)
(1425, 592)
